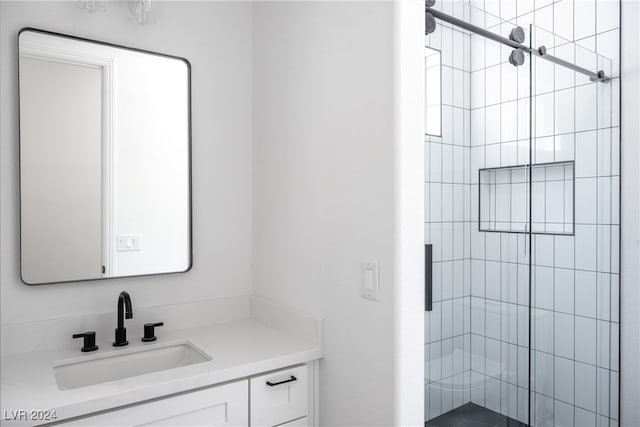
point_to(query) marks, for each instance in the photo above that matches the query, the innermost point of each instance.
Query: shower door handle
(428, 277)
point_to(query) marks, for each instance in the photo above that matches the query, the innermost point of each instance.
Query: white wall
(216, 38)
(323, 180)
(326, 196)
(630, 251)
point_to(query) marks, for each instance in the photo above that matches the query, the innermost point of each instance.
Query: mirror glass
(105, 166)
(433, 92)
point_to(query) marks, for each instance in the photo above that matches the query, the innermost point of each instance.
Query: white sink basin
(117, 365)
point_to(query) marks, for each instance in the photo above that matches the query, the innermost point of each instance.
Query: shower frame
(598, 76)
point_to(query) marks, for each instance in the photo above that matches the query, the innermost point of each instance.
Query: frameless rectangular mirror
(433, 92)
(105, 160)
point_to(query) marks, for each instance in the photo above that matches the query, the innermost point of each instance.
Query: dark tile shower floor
(472, 415)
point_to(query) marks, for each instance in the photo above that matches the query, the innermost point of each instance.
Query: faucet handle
(89, 340)
(149, 331)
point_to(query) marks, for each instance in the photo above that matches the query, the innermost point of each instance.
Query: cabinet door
(225, 405)
(279, 397)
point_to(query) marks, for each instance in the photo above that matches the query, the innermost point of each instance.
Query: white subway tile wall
(574, 278)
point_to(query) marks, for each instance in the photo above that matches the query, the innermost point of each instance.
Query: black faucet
(124, 300)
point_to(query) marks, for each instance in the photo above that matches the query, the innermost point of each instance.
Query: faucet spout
(124, 311)
(124, 308)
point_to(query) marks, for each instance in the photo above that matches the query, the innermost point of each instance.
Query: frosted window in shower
(504, 198)
(433, 92)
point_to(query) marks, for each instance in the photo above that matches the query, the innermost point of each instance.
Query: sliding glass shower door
(476, 204)
(575, 256)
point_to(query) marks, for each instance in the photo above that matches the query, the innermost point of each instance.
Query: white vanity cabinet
(262, 372)
(223, 405)
(278, 398)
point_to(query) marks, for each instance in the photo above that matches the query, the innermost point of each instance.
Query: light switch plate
(129, 242)
(370, 281)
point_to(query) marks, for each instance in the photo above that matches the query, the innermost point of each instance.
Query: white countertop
(238, 349)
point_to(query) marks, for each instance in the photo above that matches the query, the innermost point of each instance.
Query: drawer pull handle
(270, 384)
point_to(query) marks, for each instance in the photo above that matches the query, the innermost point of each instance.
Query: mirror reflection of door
(66, 243)
(433, 91)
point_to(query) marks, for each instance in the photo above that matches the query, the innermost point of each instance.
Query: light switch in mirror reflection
(433, 92)
(105, 152)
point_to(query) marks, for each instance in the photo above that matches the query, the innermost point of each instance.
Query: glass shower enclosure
(522, 223)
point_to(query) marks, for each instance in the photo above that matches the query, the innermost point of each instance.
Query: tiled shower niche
(504, 198)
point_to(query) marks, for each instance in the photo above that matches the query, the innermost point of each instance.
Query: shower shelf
(510, 196)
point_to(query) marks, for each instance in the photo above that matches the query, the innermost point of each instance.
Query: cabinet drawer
(224, 405)
(278, 397)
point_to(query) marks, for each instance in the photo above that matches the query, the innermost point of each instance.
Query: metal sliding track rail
(541, 52)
